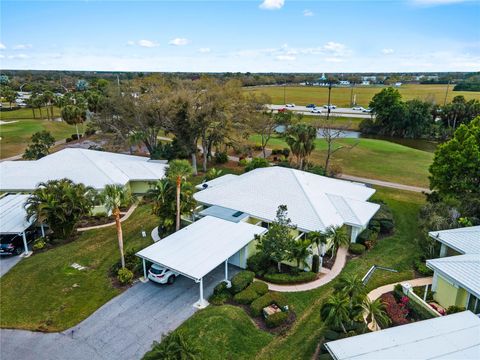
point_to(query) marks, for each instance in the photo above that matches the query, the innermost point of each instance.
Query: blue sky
(255, 36)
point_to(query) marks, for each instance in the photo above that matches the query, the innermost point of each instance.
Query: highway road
(347, 112)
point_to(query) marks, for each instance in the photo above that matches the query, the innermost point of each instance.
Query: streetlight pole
(284, 92)
(328, 103)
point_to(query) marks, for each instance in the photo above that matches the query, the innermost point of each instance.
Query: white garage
(197, 249)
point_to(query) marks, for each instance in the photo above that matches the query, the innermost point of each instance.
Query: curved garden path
(328, 275)
(376, 293)
(125, 217)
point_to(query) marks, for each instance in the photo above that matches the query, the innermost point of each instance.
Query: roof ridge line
(346, 203)
(306, 196)
(100, 169)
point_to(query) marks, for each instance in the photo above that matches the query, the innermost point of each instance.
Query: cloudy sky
(255, 36)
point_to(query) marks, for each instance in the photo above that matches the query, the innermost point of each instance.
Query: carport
(197, 249)
(13, 217)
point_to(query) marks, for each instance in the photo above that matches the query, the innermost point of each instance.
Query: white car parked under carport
(161, 275)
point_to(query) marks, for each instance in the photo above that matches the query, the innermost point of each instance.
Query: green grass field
(244, 341)
(16, 136)
(336, 121)
(301, 95)
(25, 113)
(39, 293)
(372, 158)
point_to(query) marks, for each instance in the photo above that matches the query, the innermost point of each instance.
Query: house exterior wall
(447, 294)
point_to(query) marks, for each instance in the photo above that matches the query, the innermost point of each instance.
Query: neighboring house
(456, 279)
(90, 167)
(455, 336)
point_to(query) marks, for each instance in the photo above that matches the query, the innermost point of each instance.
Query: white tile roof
(199, 248)
(314, 202)
(13, 214)
(90, 167)
(217, 181)
(464, 240)
(462, 269)
(455, 336)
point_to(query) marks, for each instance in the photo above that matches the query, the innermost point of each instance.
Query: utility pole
(351, 95)
(328, 103)
(284, 92)
(446, 94)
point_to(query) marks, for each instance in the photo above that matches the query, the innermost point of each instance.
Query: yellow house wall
(445, 293)
(139, 187)
(462, 296)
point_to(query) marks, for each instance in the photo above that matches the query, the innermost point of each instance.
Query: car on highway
(357, 108)
(316, 111)
(331, 106)
(290, 105)
(311, 106)
(162, 275)
(367, 110)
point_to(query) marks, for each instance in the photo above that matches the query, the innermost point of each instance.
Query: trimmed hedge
(301, 277)
(276, 319)
(259, 287)
(219, 299)
(246, 296)
(242, 280)
(357, 249)
(220, 288)
(268, 299)
(315, 264)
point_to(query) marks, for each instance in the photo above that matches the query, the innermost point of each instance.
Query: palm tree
(338, 236)
(114, 196)
(300, 250)
(178, 171)
(317, 238)
(74, 115)
(335, 311)
(48, 98)
(374, 313)
(352, 287)
(174, 346)
(301, 139)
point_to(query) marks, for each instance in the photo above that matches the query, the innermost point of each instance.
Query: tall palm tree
(74, 115)
(374, 312)
(352, 287)
(178, 171)
(48, 98)
(338, 236)
(174, 346)
(301, 139)
(114, 196)
(335, 311)
(300, 250)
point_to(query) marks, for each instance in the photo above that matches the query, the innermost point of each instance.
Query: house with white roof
(455, 336)
(90, 167)
(456, 279)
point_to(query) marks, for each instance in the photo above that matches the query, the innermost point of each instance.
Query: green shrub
(331, 335)
(419, 311)
(221, 157)
(386, 226)
(268, 299)
(257, 163)
(276, 319)
(125, 276)
(39, 243)
(242, 280)
(374, 225)
(100, 215)
(220, 288)
(259, 287)
(384, 217)
(422, 268)
(246, 296)
(301, 277)
(357, 249)
(258, 263)
(132, 263)
(454, 309)
(242, 162)
(398, 292)
(367, 237)
(315, 264)
(220, 298)
(286, 152)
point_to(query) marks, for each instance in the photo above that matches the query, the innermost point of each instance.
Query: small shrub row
(357, 249)
(283, 278)
(241, 280)
(256, 163)
(268, 299)
(252, 292)
(125, 276)
(276, 319)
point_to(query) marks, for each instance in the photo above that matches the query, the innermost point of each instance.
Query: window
(473, 304)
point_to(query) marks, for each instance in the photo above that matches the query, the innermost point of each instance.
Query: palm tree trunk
(41, 115)
(119, 235)
(179, 182)
(279, 266)
(78, 135)
(194, 163)
(343, 327)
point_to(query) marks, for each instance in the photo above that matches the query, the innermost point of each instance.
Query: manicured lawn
(396, 251)
(16, 136)
(302, 95)
(337, 121)
(25, 113)
(372, 158)
(44, 292)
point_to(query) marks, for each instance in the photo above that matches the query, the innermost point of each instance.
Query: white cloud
(147, 43)
(22, 46)
(307, 12)
(272, 4)
(387, 51)
(179, 42)
(130, 42)
(204, 50)
(18, 56)
(2, 46)
(285, 57)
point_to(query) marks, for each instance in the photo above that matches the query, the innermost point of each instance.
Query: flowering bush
(396, 312)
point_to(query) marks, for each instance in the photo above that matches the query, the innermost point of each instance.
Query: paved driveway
(7, 262)
(124, 328)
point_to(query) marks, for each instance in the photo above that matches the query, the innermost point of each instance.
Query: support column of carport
(25, 246)
(229, 284)
(201, 303)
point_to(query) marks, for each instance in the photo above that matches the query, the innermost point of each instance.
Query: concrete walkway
(376, 293)
(125, 217)
(122, 329)
(328, 275)
(384, 183)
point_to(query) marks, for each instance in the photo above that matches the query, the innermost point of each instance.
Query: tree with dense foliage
(178, 171)
(301, 140)
(336, 311)
(389, 111)
(459, 111)
(418, 119)
(40, 144)
(174, 346)
(276, 243)
(74, 115)
(60, 204)
(9, 95)
(114, 197)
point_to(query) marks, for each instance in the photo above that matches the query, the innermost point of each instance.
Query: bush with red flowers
(396, 312)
